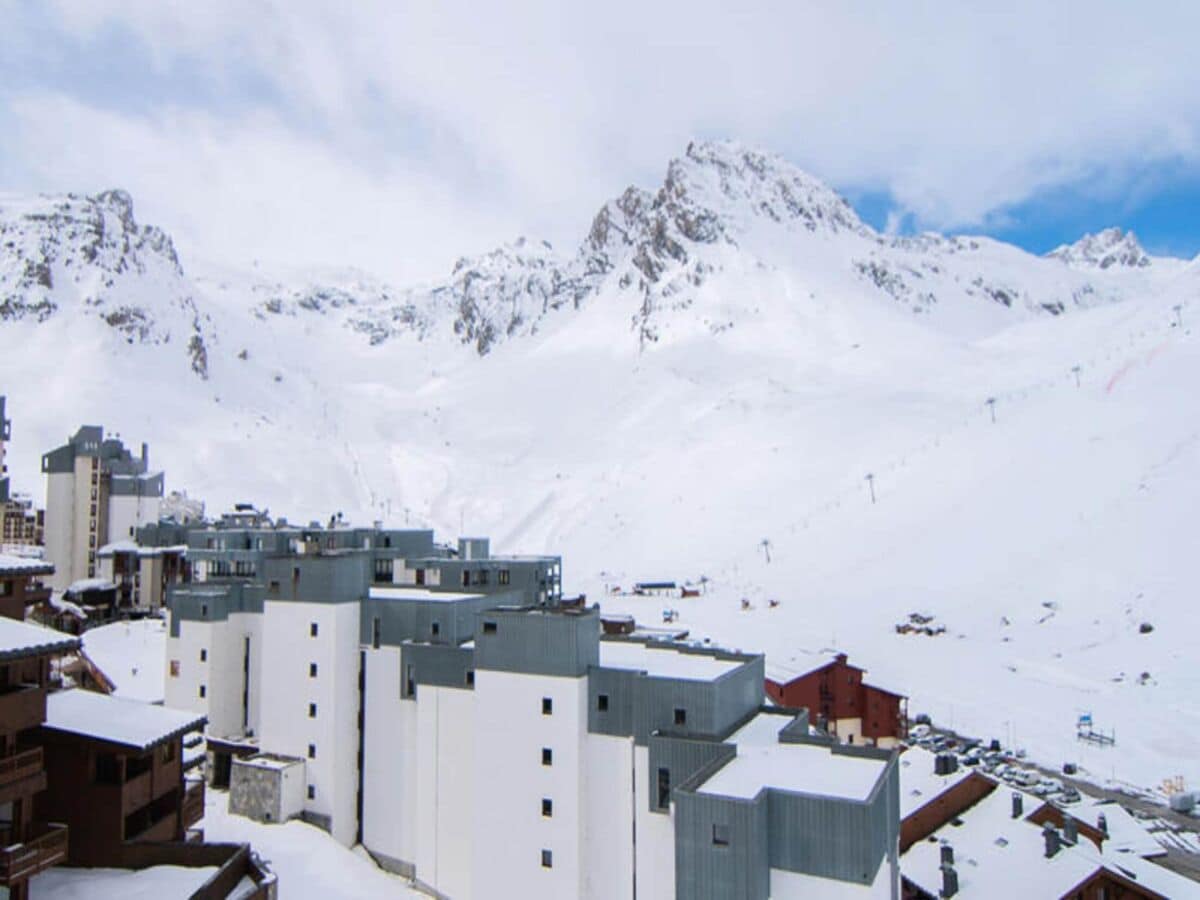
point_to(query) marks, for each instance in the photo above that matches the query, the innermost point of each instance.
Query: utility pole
(766, 545)
(1075, 369)
(1178, 307)
(871, 486)
(991, 402)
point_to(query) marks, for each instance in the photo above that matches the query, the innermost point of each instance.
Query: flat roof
(420, 594)
(763, 762)
(130, 723)
(18, 639)
(24, 565)
(664, 659)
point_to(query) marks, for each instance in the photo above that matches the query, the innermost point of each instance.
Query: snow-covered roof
(998, 856)
(133, 655)
(920, 783)
(124, 546)
(664, 659)
(57, 601)
(419, 594)
(1126, 835)
(130, 723)
(24, 565)
(121, 884)
(18, 639)
(90, 584)
(763, 762)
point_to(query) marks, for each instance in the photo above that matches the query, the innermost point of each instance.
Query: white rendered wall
(446, 799)
(182, 691)
(60, 515)
(288, 689)
(510, 782)
(391, 769)
(123, 517)
(291, 790)
(81, 518)
(655, 837)
(608, 818)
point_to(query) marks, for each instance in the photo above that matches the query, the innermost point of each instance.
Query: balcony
(192, 810)
(22, 706)
(135, 792)
(45, 847)
(22, 774)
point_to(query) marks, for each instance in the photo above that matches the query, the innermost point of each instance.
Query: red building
(838, 699)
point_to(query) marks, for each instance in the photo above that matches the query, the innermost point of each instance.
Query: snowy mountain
(701, 386)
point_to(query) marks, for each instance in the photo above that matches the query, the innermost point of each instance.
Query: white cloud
(503, 117)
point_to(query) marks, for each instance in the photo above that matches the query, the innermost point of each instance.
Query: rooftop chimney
(1102, 823)
(947, 854)
(1018, 805)
(949, 882)
(1070, 830)
(146, 455)
(1053, 842)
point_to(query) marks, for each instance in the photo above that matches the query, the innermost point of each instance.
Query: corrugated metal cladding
(617, 687)
(414, 620)
(721, 848)
(317, 579)
(562, 644)
(738, 693)
(682, 758)
(434, 665)
(212, 603)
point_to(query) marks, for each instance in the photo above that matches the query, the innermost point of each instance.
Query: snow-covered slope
(705, 381)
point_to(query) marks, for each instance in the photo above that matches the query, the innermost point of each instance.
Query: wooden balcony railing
(135, 793)
(22, 706)
(46, 847)
(20, 765)
(192, 810)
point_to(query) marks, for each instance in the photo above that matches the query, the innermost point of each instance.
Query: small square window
(203, 655)
(680, 716)
(312, 629)
(435, 629)
(602, 702)
(489, 627)
(312, 710)
(547, 807)
(547, 756)
(204, 610)
(203, 691)
(720, 835)
(471, 677)
(312, 751)
(547, 706)
(312, 792)
(547, 859)
(312, 670)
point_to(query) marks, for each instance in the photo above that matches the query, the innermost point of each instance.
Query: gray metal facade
(683, 759)
(435, 665)
(827, 837)
(564, 643)
(328, 578)
(212, 602)
(89, 441)
(396, 621)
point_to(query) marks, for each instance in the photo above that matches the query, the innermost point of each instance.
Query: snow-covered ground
(310, 865)
(133, 655)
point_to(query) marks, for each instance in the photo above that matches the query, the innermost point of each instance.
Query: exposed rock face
(1111, 247)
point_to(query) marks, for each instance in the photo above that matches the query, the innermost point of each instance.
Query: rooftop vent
(1070, 833)
(1053, 841)
(947, 854)
(1102, 823)
(949, 881)
(1018, 805)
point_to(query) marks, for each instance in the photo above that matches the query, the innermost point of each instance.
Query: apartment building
(5, 437)
(97, 492)
(143, 567)
(479, 736)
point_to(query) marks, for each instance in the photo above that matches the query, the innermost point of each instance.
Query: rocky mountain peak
(1110, 247)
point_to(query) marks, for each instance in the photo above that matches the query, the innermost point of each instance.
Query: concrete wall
(60, 514)
(266, 793)
(608, 818)
(655, 860)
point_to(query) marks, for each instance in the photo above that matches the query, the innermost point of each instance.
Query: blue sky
(399, 136)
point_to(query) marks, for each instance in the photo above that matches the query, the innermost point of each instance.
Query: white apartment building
(97, 492)
(479, 738)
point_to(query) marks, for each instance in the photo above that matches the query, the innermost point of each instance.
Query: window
(203, 691)
(274, 585)
(720, 834)
(312, 670)
(174, 668)
(312, 710)
(680, 716)
(547, 807)
(547, 706)
(547, 756)
(419, 577)
(312, 751)
(602, 702)
(471, 677)
(502, 577)
(204, 610)
(664, 788)
(167, 752)
(203, 655)
(466, 578)
(312, 629)
(489, 627)
(312, 792)
(376, 632)
(383, 570)
(435, 629)
(547, 859)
